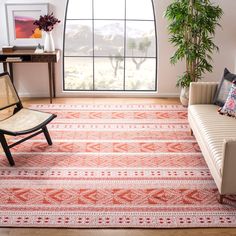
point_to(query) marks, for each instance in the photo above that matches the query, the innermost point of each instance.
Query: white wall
(225, 38)
(32, 79)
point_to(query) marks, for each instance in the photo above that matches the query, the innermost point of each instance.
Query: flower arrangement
(46, 22)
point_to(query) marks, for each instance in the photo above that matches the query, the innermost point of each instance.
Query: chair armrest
(229, 166)
(202, 92)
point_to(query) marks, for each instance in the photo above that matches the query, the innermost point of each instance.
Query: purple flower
(46, 22)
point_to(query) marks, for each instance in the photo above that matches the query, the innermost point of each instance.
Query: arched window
(110, 45)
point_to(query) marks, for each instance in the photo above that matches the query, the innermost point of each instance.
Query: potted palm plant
(192, 25)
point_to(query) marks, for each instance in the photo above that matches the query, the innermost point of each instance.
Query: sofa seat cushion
(214, 129)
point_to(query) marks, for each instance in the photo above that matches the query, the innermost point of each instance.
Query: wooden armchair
(22, 121)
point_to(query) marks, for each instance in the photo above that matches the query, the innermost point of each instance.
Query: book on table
(13, 59)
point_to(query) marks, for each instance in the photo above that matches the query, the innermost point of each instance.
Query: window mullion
(93, 44)
(124, 48)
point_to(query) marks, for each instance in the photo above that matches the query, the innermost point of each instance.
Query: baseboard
(37, 95)
(168, 95)
(113, 95)
(118, 94)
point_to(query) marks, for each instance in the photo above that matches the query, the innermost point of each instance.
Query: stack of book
(13, 59)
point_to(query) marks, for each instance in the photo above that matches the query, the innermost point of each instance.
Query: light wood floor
(104, 100)
(112, 232)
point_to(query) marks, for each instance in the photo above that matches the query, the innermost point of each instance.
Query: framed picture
(20, 18)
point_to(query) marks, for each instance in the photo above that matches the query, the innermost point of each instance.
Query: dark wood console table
(28, 56)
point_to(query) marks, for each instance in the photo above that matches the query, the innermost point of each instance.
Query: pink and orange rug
(112, 166)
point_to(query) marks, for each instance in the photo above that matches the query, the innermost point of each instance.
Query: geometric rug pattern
(112, 166)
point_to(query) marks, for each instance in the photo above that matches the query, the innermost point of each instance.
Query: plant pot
(184, 96)
(49, 43)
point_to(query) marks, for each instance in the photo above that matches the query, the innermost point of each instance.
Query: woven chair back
(8, 95)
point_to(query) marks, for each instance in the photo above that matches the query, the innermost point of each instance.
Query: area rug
(112, 166)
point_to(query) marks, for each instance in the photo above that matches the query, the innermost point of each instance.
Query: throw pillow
(230, 105)
(224, 88)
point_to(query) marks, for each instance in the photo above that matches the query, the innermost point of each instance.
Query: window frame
(124, 56)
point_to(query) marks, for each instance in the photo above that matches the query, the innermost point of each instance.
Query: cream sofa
(215, 134)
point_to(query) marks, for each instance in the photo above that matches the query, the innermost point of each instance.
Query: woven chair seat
(24, 120)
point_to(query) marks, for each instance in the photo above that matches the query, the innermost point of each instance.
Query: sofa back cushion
(224, 88)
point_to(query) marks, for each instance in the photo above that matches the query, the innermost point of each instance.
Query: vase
(49, 43)
(184, 96)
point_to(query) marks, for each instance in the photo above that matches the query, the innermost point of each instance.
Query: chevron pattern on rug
(112, 166)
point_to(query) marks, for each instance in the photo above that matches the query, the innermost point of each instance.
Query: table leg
(11, 72)
(53, 79)
(50, 80)
(5, 66)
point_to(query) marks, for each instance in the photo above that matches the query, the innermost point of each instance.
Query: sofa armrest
(229, 166)
(202, 92)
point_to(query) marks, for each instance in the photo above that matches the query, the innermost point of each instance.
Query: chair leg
(47, 135)
(191, 132)
(6, 150)
(221, 198)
